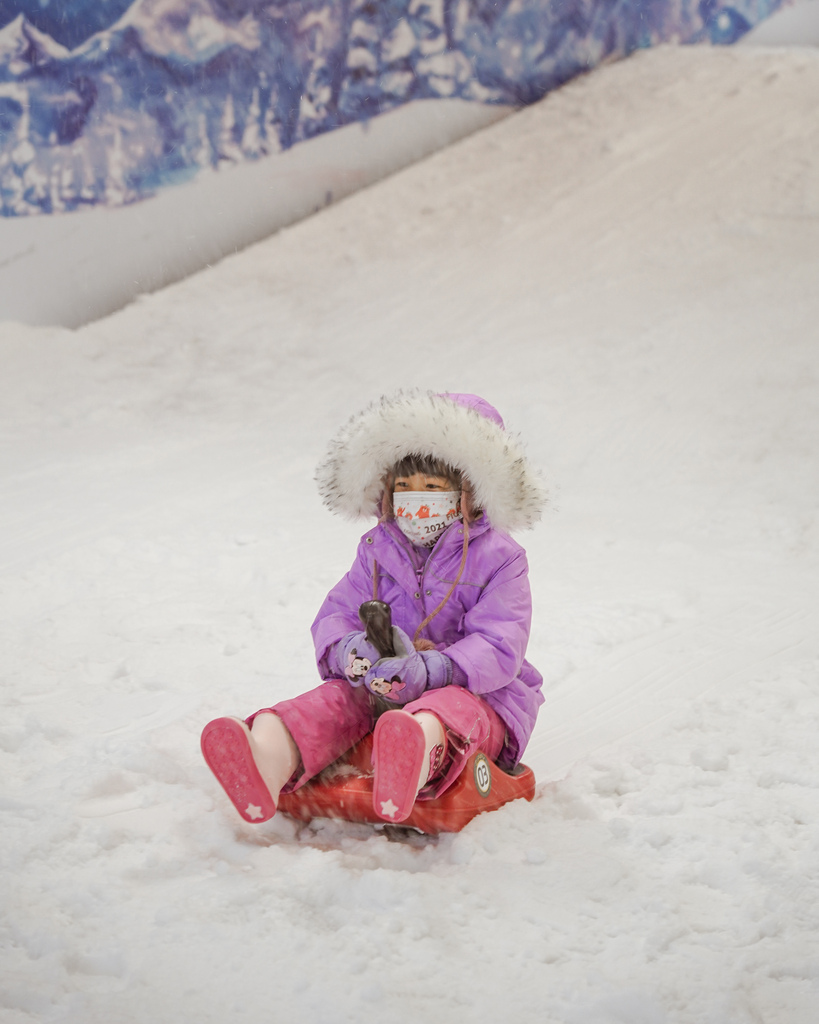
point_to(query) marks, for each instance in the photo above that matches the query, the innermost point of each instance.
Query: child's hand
(405, 677)
(398, 679)
(355, 656)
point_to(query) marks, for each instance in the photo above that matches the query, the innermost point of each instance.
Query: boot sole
(227, 752)
(399, 748)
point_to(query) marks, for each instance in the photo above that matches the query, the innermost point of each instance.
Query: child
(448, 483)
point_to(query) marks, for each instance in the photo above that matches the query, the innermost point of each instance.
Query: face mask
(422, 516)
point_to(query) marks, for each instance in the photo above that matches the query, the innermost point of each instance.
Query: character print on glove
(389, 688)
(404, 677)
(353, 657)
(357, 667)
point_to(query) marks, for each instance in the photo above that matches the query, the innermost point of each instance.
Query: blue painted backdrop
(106, 101)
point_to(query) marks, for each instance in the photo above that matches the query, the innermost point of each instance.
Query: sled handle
(377, 619)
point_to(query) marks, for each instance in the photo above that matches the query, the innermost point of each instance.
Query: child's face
(423, 482)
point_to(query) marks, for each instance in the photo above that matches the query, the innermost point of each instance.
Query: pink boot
(252, 767)
(406, 750)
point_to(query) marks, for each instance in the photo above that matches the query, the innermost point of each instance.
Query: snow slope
(628, 270)
(796, 23)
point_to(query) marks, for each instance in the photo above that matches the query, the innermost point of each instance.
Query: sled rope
(455, 583)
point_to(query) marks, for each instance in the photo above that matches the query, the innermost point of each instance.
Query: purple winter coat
(483, 627)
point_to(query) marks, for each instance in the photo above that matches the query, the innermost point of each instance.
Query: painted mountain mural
(176, 86)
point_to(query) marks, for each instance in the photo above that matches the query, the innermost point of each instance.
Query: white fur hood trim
(350, 477)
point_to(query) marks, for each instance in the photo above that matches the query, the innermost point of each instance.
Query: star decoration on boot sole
(388, 809)
(254, 812)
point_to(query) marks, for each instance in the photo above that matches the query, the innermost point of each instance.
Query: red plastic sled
(345, 790)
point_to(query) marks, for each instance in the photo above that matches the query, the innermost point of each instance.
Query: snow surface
(794, 24)
(628, 270)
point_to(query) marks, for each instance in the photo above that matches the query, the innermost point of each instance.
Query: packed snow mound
(175, 89)
(628, 272)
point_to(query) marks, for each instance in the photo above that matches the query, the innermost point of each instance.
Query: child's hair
(429, 466)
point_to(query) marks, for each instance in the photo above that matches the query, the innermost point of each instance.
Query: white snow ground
(629, 271)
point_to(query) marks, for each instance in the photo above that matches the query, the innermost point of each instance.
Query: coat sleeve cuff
(439, 669)
(458, 675)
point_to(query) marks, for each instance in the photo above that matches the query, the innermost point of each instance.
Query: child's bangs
(427, 465)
